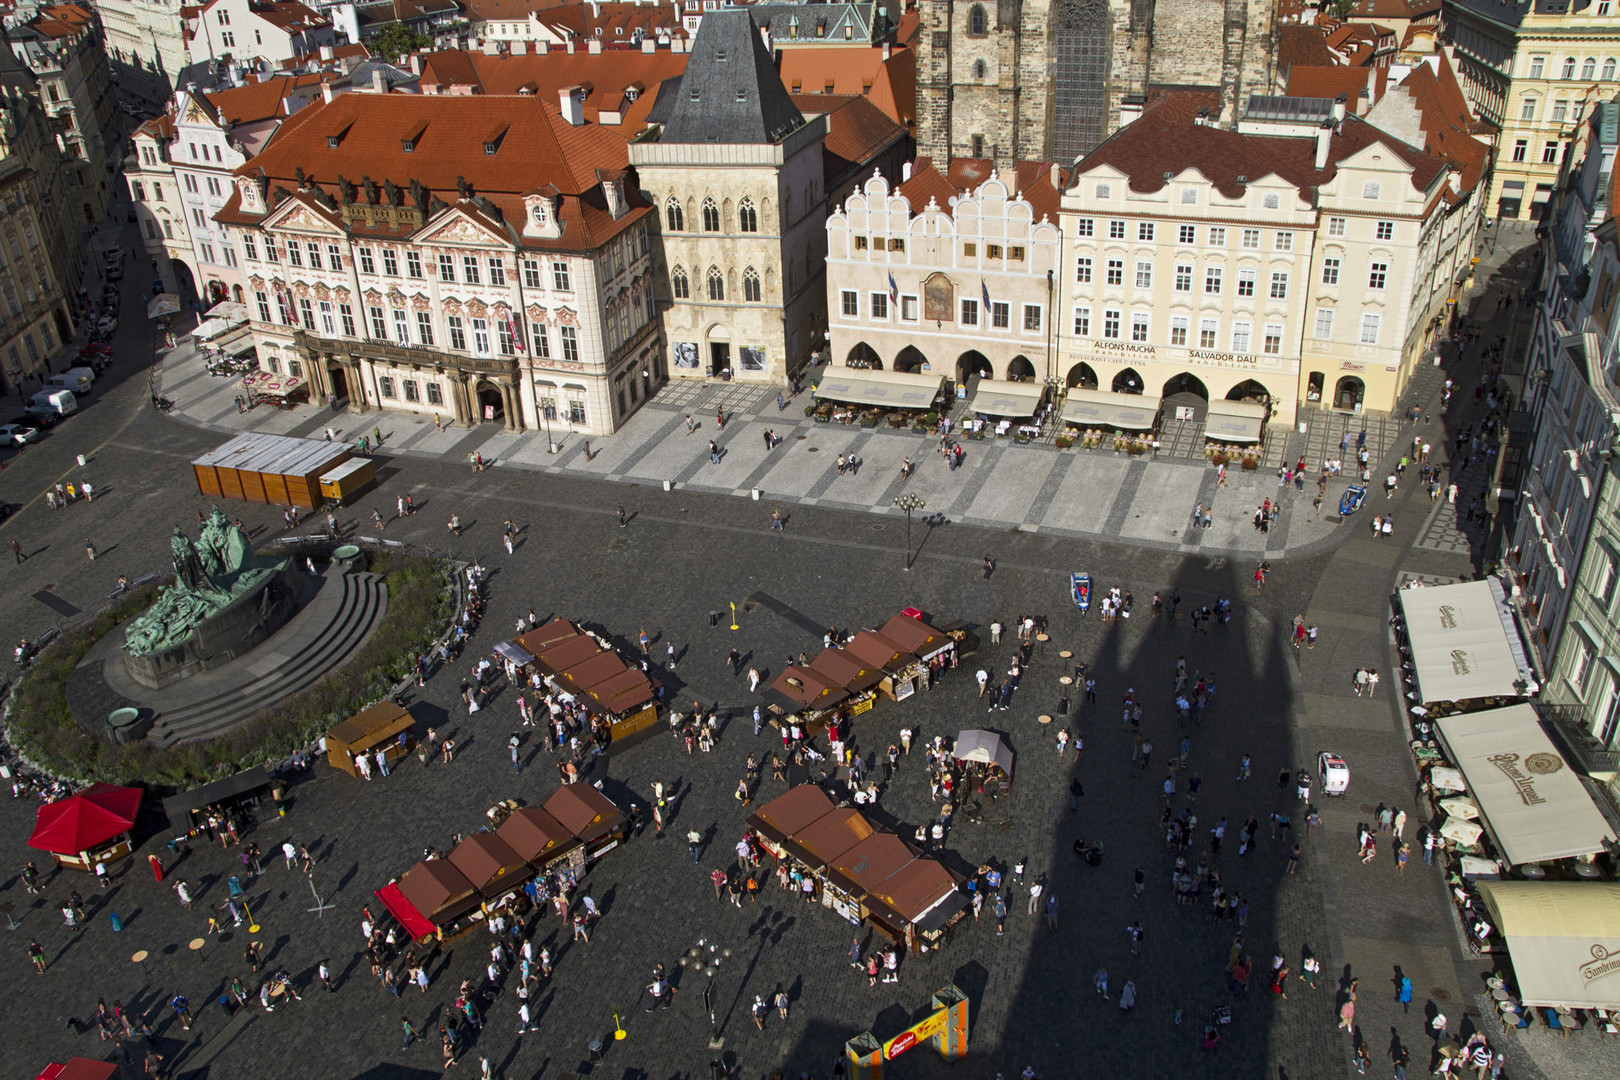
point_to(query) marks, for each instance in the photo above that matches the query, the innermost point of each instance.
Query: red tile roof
(62, 20)
(611, 24)
(1300, 44)
(1329, 82)
(856, 130)
(289, 15)
(608, 76)
(1165, 139)
(264, 100)
(1394, 9)
(1446, 119)
(538, 149)
(890, 84)
(1033, 181)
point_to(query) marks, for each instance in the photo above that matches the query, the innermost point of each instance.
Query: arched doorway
(972, 364)
(719, 352)
(1313, 386)
(1186, 383)
(338, 381)
(1127, 382)
(236, 293)
(1021, 370)
(1082, 375)
(491, 403)
(864, 356)
(1348, 393)
(1249, 390)
(217, 293)
(911, 358)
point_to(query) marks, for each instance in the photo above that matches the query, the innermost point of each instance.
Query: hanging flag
(985, 290)
(894, 290)
(512, 329)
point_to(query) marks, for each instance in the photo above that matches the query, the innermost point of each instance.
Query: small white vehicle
(1334, 774)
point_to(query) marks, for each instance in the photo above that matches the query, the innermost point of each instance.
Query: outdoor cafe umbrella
(1463, 831)
(1459, 806)
(985, 747)
(1447, 779)
(162, 304)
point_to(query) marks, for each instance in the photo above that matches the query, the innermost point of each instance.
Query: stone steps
(360, 607)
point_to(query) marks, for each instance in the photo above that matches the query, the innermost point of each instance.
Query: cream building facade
(909, 270)
(1534, 69)
(736, 173)
(501, 271)
(1283, 269)
(146, 44)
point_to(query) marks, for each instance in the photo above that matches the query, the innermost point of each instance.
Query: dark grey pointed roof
(730, 92)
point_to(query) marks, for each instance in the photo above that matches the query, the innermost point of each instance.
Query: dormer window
(742, 93)
(719, 56)
(408, 143)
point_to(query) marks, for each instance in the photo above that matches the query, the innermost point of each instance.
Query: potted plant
(1251, 460)
(1063, 442)
(1216, 455)
(810, 410)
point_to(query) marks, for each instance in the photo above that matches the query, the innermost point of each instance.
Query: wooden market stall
(538, 838)
(590, 816)
(863, 873)
(348, 479)
(243, 790)
(87, 828)
(618, 694)
(788, 813)
(804, 693)
(931, 650)
(366, 731)
(439, 891)
(489, 864)
(274, 469)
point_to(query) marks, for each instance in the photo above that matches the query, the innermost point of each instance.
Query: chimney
(1324, 140)
(328, 54)
(571, 99)
(416, 64)
(594, 47)
(1338, 110)
(885, 52)
(326, 92)
(379, 82)
(905, 172)
(570, 46)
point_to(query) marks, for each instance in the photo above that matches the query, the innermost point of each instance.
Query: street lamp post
(908, 502)
(709, 965)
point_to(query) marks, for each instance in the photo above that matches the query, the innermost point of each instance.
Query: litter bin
(714, 618)
(594, 1049)
(235, 886)
(117, 922)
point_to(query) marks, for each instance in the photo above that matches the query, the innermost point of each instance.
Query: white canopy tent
(984, 747)
(1564, 937)
(1236, 421)
(1130, 412)
(1007, 399)
(893, 389)
(1463, 642)
(1533, 804)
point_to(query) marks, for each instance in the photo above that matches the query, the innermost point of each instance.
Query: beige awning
(1533, 804)
(1461, 644)
(997, 398)
(1564, 937)
(1132, 412)
(1236, 421)
(889, 389)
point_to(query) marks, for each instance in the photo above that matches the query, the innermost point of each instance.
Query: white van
(54, 402)
(81, 372)
(71, 380)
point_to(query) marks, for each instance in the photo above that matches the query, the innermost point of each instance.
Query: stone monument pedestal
(223, 636)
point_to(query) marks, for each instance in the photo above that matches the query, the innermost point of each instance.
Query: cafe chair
(1516, 1020)
(1555, 1023)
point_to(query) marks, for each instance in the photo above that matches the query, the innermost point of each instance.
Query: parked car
(115, 271)
(107, 325)
(18, 434)
(42, 421)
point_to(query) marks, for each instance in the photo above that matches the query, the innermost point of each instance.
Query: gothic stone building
(1048, 80)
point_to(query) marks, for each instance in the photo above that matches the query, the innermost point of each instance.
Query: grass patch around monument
(421, 601)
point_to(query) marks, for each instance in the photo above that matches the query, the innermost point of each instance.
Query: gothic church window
(977, 21)
(711, 216)
(751, 286)
(673, 217)
(678, 284)
(717, 285)
(747, 219)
